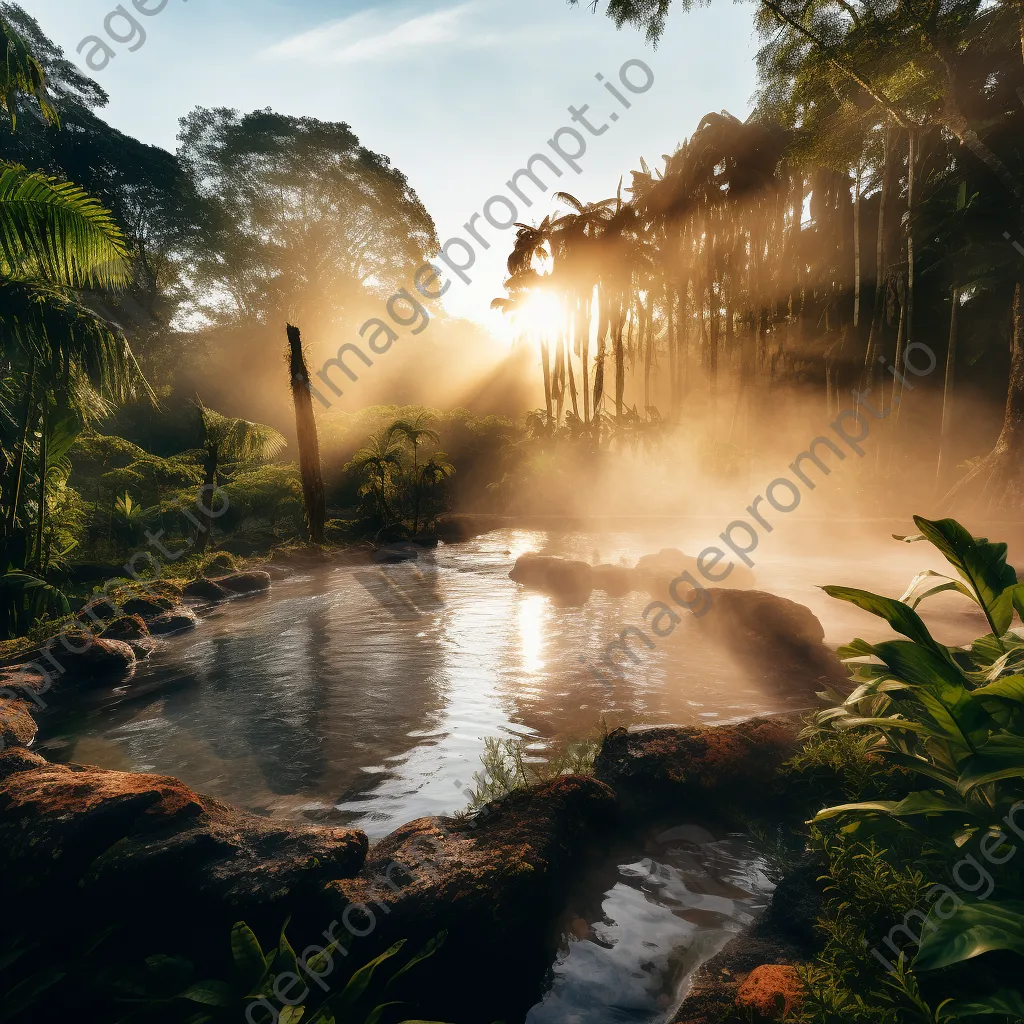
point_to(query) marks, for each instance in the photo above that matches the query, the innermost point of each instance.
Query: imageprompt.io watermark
(122, 28)
(500, 212)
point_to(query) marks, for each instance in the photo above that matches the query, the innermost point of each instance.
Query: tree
(309, 442)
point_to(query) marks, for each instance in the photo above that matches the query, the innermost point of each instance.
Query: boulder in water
(617, 580)
(566, 579)
(492, 883)
(777, 641)
(132, 630)
(175, 620)
(148, 606)
(254, 581)
(205, 590)
(392, 554)
(659, 570)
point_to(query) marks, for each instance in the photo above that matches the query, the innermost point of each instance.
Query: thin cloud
(363, 36)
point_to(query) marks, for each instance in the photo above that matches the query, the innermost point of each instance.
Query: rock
(254, 581)
(568, 580)
(17, 726)
(771, 991)
(23, 681)
(391, 554)
(83, 657)
(672, 766)
(784, 936)
(616, 580)
(205, 590)
(147, 607)
(126, 628)
(96, 844)
(659, 570)
(425, 540)
(174, 621)
(132, 630)
(491, 884)
(777, 641)
(98, 610)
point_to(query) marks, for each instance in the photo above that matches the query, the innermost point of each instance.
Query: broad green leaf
(921, 802)
(1005, 1002)
(1008, 688)
(247, 955)
(379, 1011)
(287, 962)
(360, 981)
(431, 947)
(291, 1015)
(209, 993)
(974, 929)
(1001, 758)
(980, 563)
(901, 617)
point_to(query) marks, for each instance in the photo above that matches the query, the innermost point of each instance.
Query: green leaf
(974, 929)
(1001, 758)
(901, 617)
(921, 802)
(209, 993)
(360, 981)
(1009, 688)
(378, 1012)
(247, 955)
(981, 564)
(428, 950)
(1005, 1002)
(26, 992)
(291, 1015)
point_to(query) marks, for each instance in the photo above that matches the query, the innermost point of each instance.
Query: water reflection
(336, 700)
(636, 927)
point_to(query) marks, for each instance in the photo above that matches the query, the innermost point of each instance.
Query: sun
(540, 313)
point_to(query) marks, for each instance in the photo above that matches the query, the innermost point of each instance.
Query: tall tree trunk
(41, 516)
(911, 163)
(620, 368)
(309, 443)
(545, 355)
(875, 332)
(671, 341)
(648, 353)
(856, 247)
(19, 465)
(945, 429)
(585, 355)
(995, 485)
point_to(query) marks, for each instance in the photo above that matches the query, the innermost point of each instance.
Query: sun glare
(540, 314)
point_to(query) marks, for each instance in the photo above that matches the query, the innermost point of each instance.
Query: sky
(458, 93)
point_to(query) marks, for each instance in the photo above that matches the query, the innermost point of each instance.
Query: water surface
(364, 695)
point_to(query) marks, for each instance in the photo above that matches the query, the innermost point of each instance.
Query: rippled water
(321, 701)
(637, 925)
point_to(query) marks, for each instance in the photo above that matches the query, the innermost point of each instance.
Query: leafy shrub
(945, 725)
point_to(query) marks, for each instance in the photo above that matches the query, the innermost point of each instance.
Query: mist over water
(318, 702)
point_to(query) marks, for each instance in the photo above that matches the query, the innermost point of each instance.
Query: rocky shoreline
(146, 853)
(88, 845)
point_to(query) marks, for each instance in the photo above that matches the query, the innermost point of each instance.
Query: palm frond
(55, 230)
(21, 74)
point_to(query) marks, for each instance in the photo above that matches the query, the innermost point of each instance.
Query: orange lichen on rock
(771, 990)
